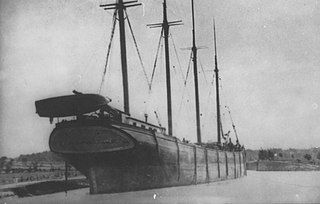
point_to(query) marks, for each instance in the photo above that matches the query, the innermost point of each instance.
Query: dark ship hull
(123, 157)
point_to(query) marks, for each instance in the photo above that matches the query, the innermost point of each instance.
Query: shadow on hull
(120, 158)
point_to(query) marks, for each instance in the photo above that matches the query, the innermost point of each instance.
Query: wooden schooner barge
(118, 153)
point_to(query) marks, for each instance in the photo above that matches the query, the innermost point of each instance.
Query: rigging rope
(204, 74)
(109, 48)
(185, 81)
(227, 107)
(221, 129)
(208, 102)
(208, 99)
(139, 55)
(184, 88)
(156, 59)
(175, 50)
(85, 67)
(233, 126)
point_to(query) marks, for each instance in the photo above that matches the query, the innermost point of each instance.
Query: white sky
(268, 56)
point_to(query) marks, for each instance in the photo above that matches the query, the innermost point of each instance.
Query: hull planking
(122, 157)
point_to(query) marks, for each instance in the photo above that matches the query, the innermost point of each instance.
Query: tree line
(271, 154)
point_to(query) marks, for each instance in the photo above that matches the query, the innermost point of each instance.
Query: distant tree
(266, 154)
(308, 157)
(46, 156)
(34, 166)
(262, 154)
(318, 155)
(24, 159)
(8, 165)
(3, 161)
(270, 155)
(280, 154)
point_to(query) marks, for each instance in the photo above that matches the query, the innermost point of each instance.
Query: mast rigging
(165, 26)
(109, 48)
(138, 52)
(120, 6)
(233, 126)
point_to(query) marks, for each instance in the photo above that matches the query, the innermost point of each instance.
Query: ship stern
(91, 149)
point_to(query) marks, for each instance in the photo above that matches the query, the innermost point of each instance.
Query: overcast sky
(268, 55)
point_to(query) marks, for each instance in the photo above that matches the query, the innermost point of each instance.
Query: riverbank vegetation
(310, 156)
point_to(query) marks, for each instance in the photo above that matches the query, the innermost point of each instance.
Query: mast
(165, 26)
(217, 85)
(121, 6)
(123, 57)
(195, 73)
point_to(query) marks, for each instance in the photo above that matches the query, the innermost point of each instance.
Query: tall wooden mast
(165, 26)
(123, 57)
(195, 73)
(217, 85)
(121, 6)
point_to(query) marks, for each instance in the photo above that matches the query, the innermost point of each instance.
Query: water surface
(257, 187)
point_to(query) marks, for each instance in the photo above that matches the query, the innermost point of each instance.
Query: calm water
(257, 187)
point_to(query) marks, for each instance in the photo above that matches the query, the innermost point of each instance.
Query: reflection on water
(257, 187)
